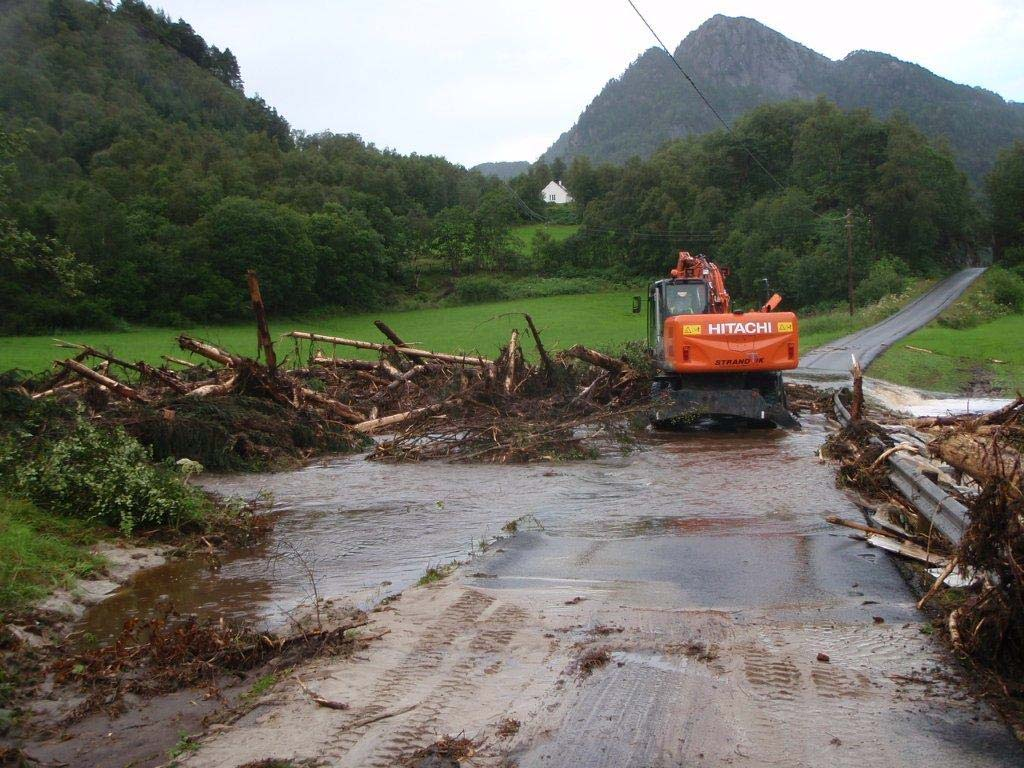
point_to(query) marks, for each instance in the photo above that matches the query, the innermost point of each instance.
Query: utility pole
(849, 256)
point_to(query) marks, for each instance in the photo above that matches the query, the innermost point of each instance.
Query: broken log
(857, 404)
(59, 388)
(104, 381)
(545, 359)
(510, 367)
(396, 418)
(341, 362)
(351, 415)
(212, 390)
(262, 329)
(395, 339)
(938, 582)
(179, 361)
(359, 344)
(984, 458)
(599, 359)
(208, 351)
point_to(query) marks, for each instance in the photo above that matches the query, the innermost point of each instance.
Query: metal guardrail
(939, 507)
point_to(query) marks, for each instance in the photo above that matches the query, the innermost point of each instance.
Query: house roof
(557, 184)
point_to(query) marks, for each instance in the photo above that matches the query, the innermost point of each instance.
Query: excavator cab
(716, 364)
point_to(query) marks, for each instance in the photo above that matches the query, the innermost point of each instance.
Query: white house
(554, 192)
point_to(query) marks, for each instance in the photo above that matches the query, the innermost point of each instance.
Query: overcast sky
(478, 80)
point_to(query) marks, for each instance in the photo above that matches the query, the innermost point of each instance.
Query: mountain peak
(740, 63)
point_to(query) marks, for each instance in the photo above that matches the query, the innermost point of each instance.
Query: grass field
(602, 320)
(959, 360)
(598, 320)
(39, 552)
(558, 232)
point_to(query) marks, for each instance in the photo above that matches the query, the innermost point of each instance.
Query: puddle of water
(369, 529)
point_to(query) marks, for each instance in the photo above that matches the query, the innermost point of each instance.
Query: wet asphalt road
(869, 343)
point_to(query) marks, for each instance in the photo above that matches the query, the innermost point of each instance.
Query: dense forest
(138, 182)
(741, 64)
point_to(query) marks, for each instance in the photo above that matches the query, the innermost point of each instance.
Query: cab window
(685, 299)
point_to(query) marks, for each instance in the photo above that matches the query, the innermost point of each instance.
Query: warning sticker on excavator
(785, 327)
(691, 330)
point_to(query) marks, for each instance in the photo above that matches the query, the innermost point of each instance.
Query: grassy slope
(525, 233)
(959, 357)
(39, 552)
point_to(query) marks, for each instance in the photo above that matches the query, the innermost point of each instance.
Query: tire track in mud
(438, 672)
(414, 670)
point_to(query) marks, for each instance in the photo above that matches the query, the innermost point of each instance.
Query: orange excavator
(715, 363)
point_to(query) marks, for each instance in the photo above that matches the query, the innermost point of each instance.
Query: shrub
(479, 288)
(884, 278)
(1006, 288)
(108, 476)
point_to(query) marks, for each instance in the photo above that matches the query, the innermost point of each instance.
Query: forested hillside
(138, 182)
(741, 64)
(913, 212)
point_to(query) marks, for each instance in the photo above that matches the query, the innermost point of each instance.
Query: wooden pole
(849, 256)
(262, 329)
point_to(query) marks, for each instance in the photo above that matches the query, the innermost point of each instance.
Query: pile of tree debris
(978, 461)
(986, 452)
(170, 652)
(228, 411)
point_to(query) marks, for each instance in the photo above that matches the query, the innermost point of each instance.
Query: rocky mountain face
(503, 169)
(740, 63)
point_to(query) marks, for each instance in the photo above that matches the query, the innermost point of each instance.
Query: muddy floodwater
(367, 529)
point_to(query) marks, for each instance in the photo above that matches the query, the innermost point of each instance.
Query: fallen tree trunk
(208, 351)
(104, 381)
(395, 339)
(59, 388)
(350, 415)
(217, 388)
(982, 457)
(545, 359)
(396, 418)
(599, 359)
(359, 344)
(341, 362)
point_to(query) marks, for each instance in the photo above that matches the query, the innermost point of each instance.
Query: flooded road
(369, 529)
(685, 604)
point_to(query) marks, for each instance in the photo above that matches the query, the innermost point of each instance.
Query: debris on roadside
(171, 652)
(979, 580)
(446, 752)
(592, 659)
